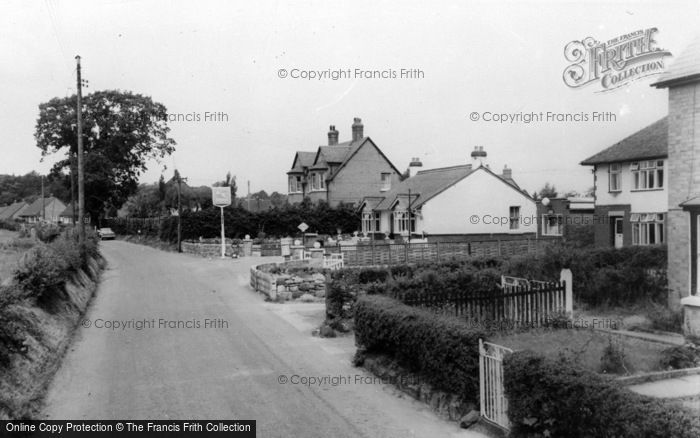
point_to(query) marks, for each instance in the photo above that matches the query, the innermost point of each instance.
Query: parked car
(106, 233)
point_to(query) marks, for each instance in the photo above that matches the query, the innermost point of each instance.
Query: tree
(278, 200)
(122, 131)
(548, 191)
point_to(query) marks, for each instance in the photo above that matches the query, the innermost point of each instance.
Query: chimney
(332, 136)
(414, 166)
(507, 172)
(478, 157)
(357, 129)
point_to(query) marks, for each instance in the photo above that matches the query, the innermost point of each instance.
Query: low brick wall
(284, 287)
(206, 249)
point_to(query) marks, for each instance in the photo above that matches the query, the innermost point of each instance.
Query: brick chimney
(414, 166)
(507, 172)
(478, 157)
(332, 136)
(357, 129)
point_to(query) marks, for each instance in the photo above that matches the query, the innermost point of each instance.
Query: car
(106, 233)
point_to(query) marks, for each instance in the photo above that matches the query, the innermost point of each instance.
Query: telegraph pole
(43, 200)
(81, 174)
(179, 211)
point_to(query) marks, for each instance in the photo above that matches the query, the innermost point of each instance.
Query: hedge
(441, 350)
(548, 397)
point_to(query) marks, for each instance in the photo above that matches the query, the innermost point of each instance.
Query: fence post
(567, 277)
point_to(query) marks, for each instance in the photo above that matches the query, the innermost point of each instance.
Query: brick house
(441, 204)
(565, 218)
(683, 82)
(631, 189)
(341, 173)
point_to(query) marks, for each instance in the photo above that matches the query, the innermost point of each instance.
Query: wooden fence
(529, 305)
(399, 253)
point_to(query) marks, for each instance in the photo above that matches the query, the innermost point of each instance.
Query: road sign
(303, 227)
(221, 196)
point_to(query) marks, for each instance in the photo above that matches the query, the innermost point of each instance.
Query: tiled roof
(685, 68)
(303, 159)
(35, 207)
(9, 211)
(650, 142)
(424, 185)
(68, 211)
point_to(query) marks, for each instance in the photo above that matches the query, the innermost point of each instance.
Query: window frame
(615, 174)
(546, 224)
(514, 215)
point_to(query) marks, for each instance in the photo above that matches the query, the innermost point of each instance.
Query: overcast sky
(194, 57)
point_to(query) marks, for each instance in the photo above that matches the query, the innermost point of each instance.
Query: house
(12, 211)
(631, 188)
(564, 218)
(43, 209)
(341, 173)
(683, 163)
(457, 203)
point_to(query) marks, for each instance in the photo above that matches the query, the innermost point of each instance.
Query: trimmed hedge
(442, 350)
(548, 397)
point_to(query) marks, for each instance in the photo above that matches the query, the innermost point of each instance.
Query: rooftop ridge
(440, 169)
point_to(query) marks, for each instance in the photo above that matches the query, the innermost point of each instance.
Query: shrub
(442, 350)
(679, 357)
(41, 271)
(547, 397)
(665, 319)
(614, 360)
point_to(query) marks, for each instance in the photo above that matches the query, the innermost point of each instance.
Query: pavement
(679, 387)
(176, 336)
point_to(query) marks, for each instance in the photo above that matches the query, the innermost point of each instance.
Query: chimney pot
(357, 129)
(332, 136)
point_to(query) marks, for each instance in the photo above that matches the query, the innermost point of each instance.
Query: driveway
(174, 336)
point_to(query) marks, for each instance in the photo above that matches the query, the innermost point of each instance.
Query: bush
(614, 360)
(679, 357)
(442, 350)
(547, 397)
(664, 319)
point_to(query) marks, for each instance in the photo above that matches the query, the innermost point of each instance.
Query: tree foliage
(121, 132)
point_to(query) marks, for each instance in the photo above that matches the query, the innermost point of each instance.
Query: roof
(691, 203)
(685, 69)
(650, 142)
(303, 159)
(68, 211)
(424, 185)
(9, 211)
(35, 208)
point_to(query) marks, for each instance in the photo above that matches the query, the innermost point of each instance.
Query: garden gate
(493, 402)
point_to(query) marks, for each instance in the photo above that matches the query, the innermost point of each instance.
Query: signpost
(303, 227)
(221, 197)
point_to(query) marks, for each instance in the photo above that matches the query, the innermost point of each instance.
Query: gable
(364, 143)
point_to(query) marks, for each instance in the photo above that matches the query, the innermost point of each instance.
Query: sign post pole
(221, 197)
(223, 235)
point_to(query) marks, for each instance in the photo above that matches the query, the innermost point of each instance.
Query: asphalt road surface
(223, 362)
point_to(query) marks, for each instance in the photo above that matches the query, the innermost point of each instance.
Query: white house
(464, 202)
(631, 193)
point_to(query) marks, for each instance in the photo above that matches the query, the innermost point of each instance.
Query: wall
(361, 176)
(603, 225)
(483, 195)
(643, 201)
(684, 183)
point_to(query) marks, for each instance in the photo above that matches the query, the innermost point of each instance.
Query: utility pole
(43, 200)
(81, 174)
(409, 215)
(179, 210)
(248, 195)
(72, 187)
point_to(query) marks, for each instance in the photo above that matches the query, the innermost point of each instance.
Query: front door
(617, 230)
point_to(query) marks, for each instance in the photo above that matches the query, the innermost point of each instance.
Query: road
(228, 371)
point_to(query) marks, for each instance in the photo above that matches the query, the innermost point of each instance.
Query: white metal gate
(494, 405)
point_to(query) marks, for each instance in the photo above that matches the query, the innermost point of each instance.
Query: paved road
(229, 371)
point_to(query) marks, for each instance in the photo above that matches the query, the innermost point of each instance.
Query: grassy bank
(50, 289)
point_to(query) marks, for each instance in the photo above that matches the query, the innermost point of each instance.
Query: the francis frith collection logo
(613, 63)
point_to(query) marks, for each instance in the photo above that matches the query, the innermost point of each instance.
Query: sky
(226, 58)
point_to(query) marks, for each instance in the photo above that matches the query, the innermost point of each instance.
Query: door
(617, 230)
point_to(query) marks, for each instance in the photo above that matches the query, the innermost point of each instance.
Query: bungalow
(43, 209)
(457, 203)
(564, 217)
(341, 172)
(631, 194)
(12, 211)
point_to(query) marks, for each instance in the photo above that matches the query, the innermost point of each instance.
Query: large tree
(121, 132)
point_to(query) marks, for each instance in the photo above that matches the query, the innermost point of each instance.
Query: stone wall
(281, 286)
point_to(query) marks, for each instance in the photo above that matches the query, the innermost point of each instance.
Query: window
(615, 177)
(294, 184)
(552, 225)
(404, 222)
(318, 181)
(514, 218)
(647, 228)
(370, 222)
(386, 181)
(648, 175)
